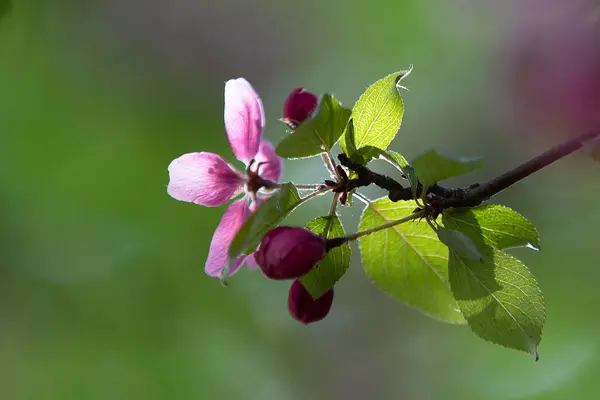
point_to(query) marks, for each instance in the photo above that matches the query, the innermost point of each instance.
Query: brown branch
(441, 198)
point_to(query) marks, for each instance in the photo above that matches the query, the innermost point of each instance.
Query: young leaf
(394, 158)
(408, 261)
(460, 243)
(331, 268)
(493, 225)
(500, 299)
(397, 160)
(318, 134)
(347, 141)
(270, 213)
(433, 167)
(377, 114)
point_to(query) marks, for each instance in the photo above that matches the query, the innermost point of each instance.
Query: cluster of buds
(287, 253)
(290, 253)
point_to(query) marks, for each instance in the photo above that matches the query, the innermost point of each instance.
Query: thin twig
(307, 186)
(332, 209)
(315, 194)
(335, 242)
(362, 198)
(327, 160)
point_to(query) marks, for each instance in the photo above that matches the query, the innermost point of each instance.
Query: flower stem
(328, 161)
(315, 194)
(307, 186)
(332, 209)
(335, 242)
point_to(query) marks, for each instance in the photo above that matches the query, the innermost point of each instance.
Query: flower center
(253, 180)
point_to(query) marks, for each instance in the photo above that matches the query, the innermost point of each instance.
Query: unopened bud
(298, 107)
(287, 253)
(304, 308)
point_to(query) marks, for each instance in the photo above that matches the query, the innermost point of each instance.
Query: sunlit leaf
(408, 261)
(433, 167)
(331, 268)
(493, 225)
(500, 299)
(268, 215)
(347, 141)
(377, 114)
(317, 134)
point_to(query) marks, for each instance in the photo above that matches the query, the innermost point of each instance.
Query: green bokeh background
(102, 286)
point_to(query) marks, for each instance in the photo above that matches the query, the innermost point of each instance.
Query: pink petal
(251, 262)
(233, 219)
(274, 166)
(244, 118)
(203, 178)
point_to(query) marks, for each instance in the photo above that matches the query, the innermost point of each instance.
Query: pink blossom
(208, 180)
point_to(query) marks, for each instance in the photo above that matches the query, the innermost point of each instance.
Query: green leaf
(331, 268)
(377, 114)
(318, 134)
(408, 261)
(347, 141)
(460, 243)
(394, 158)
(397, 160)
(500, 300)
(433, 167)
(494, 225)
(268, 215)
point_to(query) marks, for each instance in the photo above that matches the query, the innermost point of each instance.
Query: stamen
(260, 164)
(250, 164)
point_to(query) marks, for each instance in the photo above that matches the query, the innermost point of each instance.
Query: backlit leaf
(317, 134)
(408, 261)
(432, 167)
(500, 299)
(494, 226)
(377, 114)
(268, 215)
(331, 268)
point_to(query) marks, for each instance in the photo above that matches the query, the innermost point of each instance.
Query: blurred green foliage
(102, 286)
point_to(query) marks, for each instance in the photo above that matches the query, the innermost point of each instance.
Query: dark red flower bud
(298, 107)
(288, 253)
(304, 308)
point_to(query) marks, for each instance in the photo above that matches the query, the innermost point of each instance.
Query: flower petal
(203, 178)
(244, 118)
(233, 219)
(273, 168)
(251, 262)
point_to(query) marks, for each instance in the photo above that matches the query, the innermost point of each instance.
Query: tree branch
(441, 198)
(367, 177)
